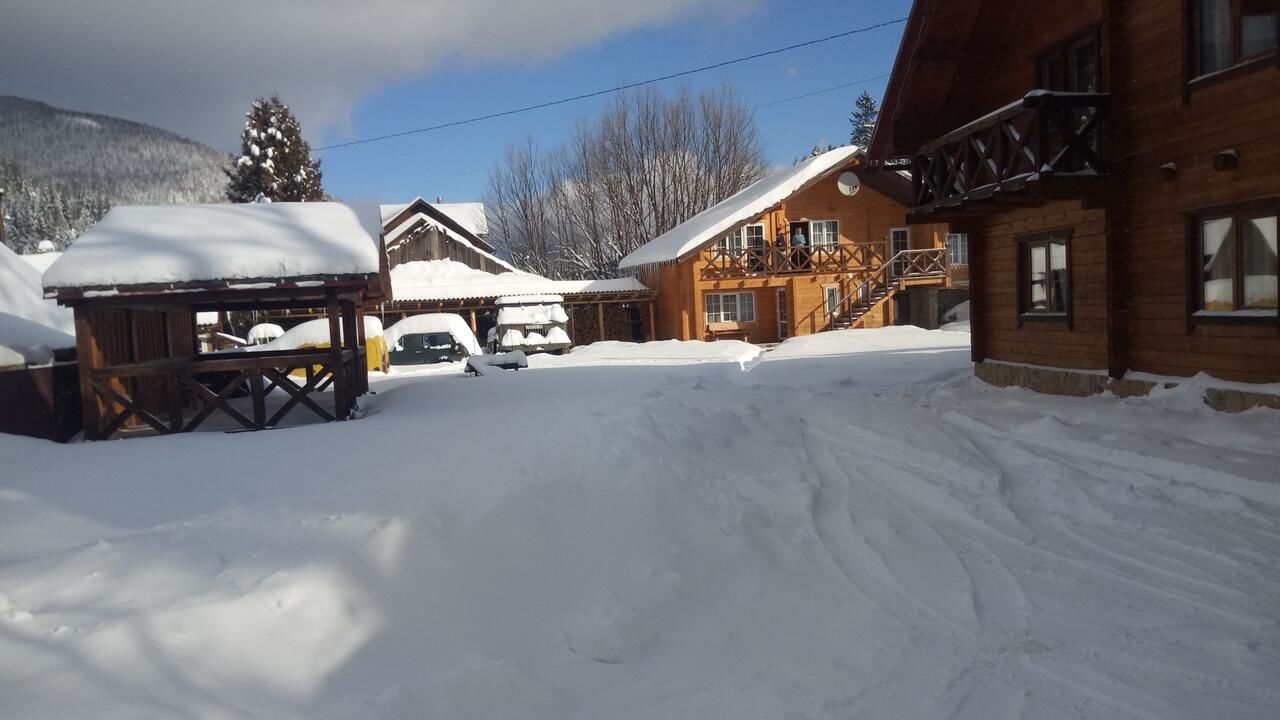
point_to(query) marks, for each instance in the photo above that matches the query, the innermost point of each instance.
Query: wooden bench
(728, 331)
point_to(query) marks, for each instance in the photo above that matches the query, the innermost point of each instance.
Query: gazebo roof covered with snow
(137, 279)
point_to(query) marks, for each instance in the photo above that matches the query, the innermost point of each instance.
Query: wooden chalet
(1116, 167)
(137, 279)
(741, 270)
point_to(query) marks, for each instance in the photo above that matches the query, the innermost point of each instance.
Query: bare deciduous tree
(648, 164)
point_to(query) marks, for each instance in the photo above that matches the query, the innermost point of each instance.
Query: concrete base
(1079, 383)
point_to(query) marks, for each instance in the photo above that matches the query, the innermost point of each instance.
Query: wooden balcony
(718, 263)
(1046, 142)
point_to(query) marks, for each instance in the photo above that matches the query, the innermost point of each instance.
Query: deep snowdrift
(870, 533)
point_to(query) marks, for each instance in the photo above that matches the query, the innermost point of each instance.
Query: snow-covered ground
(850, 526)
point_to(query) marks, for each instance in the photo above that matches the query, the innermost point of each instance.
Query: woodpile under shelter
(137, 279)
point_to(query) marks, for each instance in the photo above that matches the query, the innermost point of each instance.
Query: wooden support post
(977, 303)
(334, 313)
(86, 361)
(473, 321)
(653, 325)
(350, 337)
(259, 399)
(600, 319)
(362, 373)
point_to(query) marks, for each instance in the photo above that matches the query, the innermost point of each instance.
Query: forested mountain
(62, 170)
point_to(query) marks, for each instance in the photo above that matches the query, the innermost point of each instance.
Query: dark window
(1044, 279)
(1237, 268)
(1072, 66)
(1225, 33)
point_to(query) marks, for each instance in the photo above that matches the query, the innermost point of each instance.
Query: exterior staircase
(879, 287)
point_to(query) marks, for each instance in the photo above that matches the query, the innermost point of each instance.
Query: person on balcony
(799, 250)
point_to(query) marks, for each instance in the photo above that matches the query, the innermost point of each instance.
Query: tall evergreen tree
(863, 120)
(275, 162)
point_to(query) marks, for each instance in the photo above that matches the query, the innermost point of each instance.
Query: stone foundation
(1079, 383)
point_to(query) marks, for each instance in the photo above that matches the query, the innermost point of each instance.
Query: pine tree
(863, 120)
(275, 162)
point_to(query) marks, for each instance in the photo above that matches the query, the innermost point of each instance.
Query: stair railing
(927, 262)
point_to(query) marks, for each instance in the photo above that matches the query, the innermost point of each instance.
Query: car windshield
(437, 340)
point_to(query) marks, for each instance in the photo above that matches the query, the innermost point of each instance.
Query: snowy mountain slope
(83, 152)
(73, 166)
(866, 534)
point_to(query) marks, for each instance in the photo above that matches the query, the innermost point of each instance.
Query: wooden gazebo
(137, 279)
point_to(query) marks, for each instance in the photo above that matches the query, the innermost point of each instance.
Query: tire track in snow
(855, 557)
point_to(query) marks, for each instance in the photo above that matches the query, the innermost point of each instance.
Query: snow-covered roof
(427, 280)
(469, 215)
(716, 221)
(435, 323)
(140, 245)
(394, 233)
(23, 342)
(42, 260)
(22, 296)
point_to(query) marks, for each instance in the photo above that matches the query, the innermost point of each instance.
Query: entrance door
(784, 320)
(899, 240)
(833, 299)
(801, 241)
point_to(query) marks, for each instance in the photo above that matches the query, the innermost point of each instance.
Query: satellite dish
(848, 184)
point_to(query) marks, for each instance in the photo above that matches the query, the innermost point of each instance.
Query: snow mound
(314, 332)
(959, 312)
(897, 339)
(435, 323)
(663, 352)
(22, 296)
(264, 333)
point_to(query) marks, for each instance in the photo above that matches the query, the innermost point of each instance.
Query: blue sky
(455, 163)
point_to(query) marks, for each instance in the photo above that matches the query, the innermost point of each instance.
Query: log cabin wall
(1168, 120)
(429, 243)
(864, 219)
(1078, 343)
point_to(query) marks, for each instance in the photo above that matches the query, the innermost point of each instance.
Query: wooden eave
(422, 206)
(240, 291)
(938, 48)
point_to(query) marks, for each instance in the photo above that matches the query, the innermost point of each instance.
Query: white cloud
(192, 66)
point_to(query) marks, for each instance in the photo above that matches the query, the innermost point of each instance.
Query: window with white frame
(826, 233)
(731, 307)
(748, 236)
(958, 248)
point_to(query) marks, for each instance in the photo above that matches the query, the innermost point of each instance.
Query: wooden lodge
(1116, 167)
(137, 279)
(822, 245)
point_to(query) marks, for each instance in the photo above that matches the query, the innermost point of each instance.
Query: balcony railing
(1038, 137)
(721, 262)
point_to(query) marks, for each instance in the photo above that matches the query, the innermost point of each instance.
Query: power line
(608, 91)
(762, 106)
(566, 100)
(819, 92)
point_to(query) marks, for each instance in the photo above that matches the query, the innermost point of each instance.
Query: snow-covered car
(431, 338)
